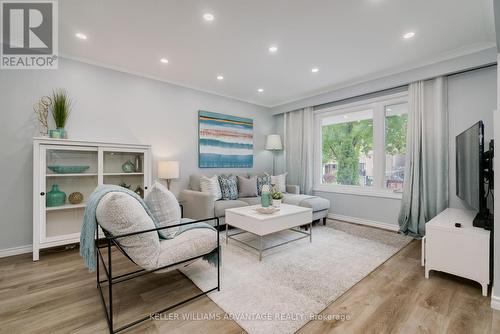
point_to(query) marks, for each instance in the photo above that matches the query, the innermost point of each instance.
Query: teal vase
(62, 133)
(128, 167)
(55, 197)
(54, 133)
(265, 199)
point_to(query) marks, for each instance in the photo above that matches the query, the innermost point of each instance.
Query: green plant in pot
(277, 196)
(61, 109)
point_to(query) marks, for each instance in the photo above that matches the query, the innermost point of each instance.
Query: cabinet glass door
(70, 175)
(124, 168)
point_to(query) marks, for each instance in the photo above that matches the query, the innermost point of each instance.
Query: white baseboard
(495, 301)
(367, 222)
(16, 250)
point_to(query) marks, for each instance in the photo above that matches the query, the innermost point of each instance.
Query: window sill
(358, 191)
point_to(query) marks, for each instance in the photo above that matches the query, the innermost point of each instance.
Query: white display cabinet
(76, 166)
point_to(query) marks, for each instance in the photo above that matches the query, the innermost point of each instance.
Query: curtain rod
(318, 106)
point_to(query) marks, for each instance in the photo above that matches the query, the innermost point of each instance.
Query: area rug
(295, 281)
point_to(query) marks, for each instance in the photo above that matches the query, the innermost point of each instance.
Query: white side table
(463, 251)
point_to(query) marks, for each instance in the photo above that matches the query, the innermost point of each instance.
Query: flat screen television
(469, 166)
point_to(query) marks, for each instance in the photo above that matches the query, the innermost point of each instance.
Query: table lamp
(168, 170)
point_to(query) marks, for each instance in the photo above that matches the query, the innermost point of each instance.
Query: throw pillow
(120, 213)
(228, 187)
(262, 180)
(211, 186)
(247, 187)
(279, 182)
(165, 208)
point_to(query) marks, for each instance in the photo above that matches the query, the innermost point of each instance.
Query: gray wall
(471, 97)
(109, 106)
(377, 209)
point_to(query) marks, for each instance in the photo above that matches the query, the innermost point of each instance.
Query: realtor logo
(29, 35)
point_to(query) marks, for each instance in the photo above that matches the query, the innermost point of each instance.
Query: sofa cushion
(306, 201)
(247, 187)
(194, 182)
(228, 187)
(120, 213)
(211, 186)
(221, 206)
(316, 203)
(279, 182)
(165, 208)
(250, 200)
(186, 245)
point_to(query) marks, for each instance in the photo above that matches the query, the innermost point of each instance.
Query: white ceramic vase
(276, 203)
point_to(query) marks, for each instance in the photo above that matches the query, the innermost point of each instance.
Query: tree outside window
(347, 149)
(348, 146)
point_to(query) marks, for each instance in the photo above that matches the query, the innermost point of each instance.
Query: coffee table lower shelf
(261, 249)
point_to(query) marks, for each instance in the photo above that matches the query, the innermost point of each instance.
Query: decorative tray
(68, 169)
(267, 211)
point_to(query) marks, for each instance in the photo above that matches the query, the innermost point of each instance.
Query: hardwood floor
(58, 295)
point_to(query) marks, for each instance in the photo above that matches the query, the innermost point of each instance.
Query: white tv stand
(462, 251)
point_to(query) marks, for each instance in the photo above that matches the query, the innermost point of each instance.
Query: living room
(249, 167)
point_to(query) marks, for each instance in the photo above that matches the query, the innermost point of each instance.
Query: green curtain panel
(425, 190)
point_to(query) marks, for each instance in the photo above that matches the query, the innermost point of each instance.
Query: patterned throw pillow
(228, 187)
(211, 186)
(165, 208)
(261, 180)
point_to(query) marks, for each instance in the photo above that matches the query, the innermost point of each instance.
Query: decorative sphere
(75, 198)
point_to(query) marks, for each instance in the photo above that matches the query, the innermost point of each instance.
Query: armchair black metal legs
(108, 242)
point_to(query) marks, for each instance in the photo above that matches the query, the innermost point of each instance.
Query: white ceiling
(347, 39)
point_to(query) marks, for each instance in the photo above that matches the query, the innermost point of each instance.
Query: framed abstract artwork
(225, 141)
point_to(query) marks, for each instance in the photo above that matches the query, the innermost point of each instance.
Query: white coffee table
(250, 221)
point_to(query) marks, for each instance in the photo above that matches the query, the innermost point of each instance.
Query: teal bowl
(68, 169)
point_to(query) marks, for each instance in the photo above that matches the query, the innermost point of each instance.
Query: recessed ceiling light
(260, 90)
(315, 70)
(409, 35)
(208, 17)
(164, 60)
(220, 77)
(80, 35)
(273, 49)
(346, 117)
(389, 109)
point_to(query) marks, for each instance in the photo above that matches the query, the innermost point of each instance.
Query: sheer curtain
(299, 127)
(425, 190)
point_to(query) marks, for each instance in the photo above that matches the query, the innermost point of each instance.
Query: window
(396, 119)
(362, 146)
(347, 141)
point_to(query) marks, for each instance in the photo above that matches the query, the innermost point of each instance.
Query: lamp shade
(273, 143)
(168, 170)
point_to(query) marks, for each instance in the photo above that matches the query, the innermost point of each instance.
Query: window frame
(377, 105)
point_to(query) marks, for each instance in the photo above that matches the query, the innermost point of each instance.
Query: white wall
(471, 97)
(108, 106)
(396, 77)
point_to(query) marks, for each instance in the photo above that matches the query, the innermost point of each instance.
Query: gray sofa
(200, 205)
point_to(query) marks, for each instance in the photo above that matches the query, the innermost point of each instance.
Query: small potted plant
(277, 196)
(61, 108)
